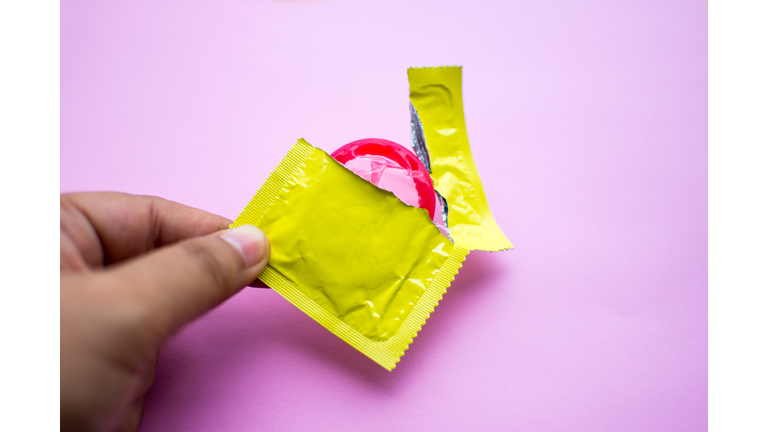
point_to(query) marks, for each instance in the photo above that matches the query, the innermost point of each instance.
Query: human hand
(135, 269)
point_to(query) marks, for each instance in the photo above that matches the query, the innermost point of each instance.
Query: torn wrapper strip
(437, 122)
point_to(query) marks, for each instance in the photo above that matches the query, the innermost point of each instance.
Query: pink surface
(588, 123)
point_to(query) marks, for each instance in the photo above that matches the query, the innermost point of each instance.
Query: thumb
(175, 284)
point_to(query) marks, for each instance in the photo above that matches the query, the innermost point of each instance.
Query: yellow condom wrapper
(352, 256)
(437, 121)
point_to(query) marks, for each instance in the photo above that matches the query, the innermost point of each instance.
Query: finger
(124, 226)
(132, 419)
(173, 285)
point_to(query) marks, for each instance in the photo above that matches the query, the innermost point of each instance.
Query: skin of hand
(135, 269)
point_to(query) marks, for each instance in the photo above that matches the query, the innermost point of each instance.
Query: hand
(134, 270)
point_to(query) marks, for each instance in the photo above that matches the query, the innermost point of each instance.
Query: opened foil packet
(352, 255)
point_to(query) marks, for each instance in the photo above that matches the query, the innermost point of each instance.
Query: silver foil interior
(444, 209)
(417, 137)
(420, 148)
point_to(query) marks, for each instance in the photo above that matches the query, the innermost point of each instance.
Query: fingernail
(249, 240)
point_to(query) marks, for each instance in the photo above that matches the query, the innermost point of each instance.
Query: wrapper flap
(436, 96)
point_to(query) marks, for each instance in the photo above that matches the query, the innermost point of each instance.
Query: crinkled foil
(444, 214)
(417, 136)
(420, 148)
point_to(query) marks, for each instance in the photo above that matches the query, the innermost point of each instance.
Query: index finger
(124, 225)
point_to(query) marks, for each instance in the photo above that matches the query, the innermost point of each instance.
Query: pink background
(588, 123)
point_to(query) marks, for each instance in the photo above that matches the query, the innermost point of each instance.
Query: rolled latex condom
(394, 168)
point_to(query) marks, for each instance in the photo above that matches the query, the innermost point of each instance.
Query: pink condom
(391, 167)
